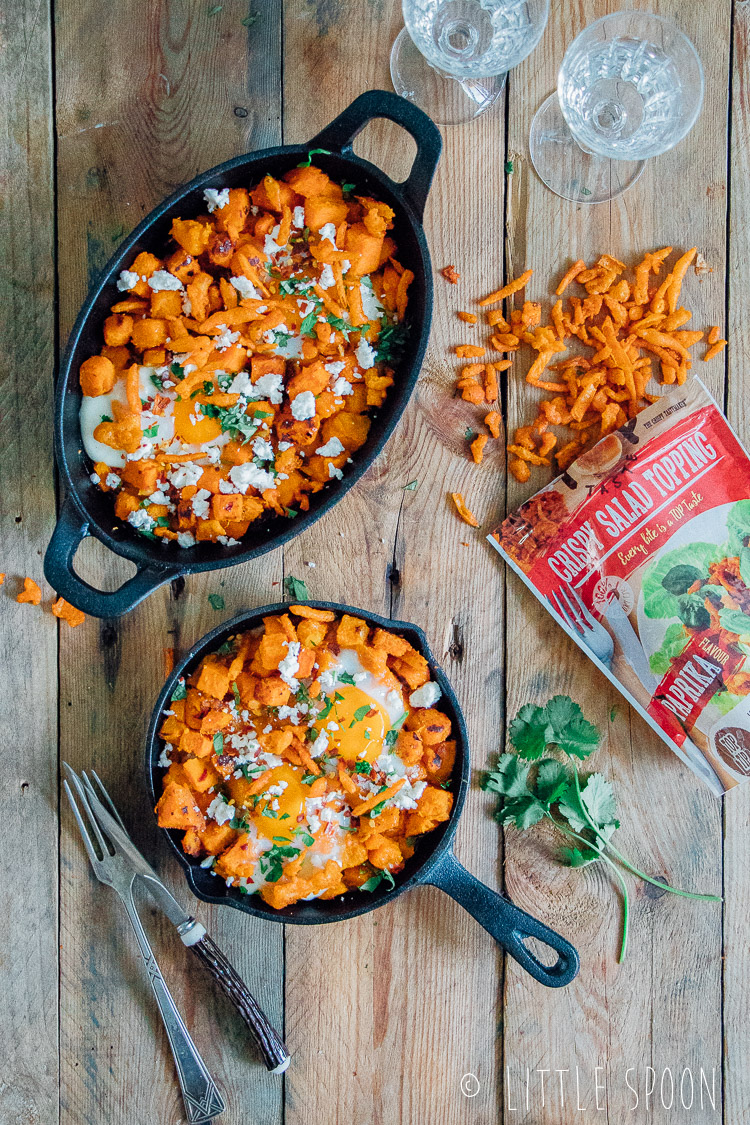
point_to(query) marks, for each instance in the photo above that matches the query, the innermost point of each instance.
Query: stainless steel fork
(573, 613)
(199, 1091)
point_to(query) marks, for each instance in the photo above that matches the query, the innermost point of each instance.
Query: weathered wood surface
(28, 641)
(385, 1014)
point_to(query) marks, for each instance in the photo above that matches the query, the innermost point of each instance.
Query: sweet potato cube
(172, 729)
(193, 708)
(166, 303)
(362, 249)
(281, 623)
(439, 761)
(227, 507)
(433, 726)
(202, 775)
(142, 475)
(238, 860)
(246, 684)
(266, 365)
(352, 631)
(312, 633)
(193, 742)
(409, 747)
(272, 691)
(191, 843)
(176, 808)
(216, 837)
(97, 376)
(322, 209)
(191, 235)
(213, 678)
(214, 721)
(309, 181)
(390, 643)
(271, 651)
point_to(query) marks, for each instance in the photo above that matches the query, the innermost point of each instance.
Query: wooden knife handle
(275, 1055)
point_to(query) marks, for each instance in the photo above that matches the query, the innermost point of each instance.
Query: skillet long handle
(508, 924)
(275, 1055)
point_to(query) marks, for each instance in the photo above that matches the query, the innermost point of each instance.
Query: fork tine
(581, 624)
(563, 613)
(81, 827)
(102, 795)
(581, 605)
(81, 794)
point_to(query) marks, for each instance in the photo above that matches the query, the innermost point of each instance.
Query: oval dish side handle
(339, 135)
(71, 529)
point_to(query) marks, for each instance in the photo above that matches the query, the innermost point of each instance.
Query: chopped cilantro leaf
(360, 713)
(106, 418)
(297, 589)
(218, 741)
(311, 153)
(151, 431)
(217, 602)
(180, 691)
(236, 694)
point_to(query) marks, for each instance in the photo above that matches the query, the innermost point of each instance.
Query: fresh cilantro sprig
(533, 786)
(297, 588)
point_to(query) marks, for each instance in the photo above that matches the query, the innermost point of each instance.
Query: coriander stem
(623, 886)
(626, 862)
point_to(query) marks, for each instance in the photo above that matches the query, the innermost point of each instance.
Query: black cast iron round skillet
(87, 510)
(433, 861)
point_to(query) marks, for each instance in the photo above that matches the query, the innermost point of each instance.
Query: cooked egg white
(360, 714)
(94, 409)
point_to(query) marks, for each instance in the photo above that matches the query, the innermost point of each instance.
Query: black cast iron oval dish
(87, 510)
(433, 861)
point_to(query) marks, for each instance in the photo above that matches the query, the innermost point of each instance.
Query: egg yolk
(190, 431)
(355, 724)
(281, 821)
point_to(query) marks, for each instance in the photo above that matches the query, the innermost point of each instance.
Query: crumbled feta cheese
(208, 861)
(201, 502)
(312, 565)
(220, 811)
(342, 386)
(185, 539)
(245, 288)
(94, 478)
(328, 231)
(185, 475)
(187, 305)
(164, 759)
(320, 745)
(227, 541)
(291, 349)
(113, 481)
(225, 338)
(270, 386)
(143, 452)
(298, 217)
(291, 713)
(334, 472)
(270, 246)
(250, 476)
(365, 354)
(372, 306)
(408, 795)
(346, 265)
(303, 406)
(305, 307)
(284, 445)
(227, 487)
(276, 790)
(141, 520)
(162, 280)
(326, 279)
(336, 367)
(332, 448)
(158, 497)
(426, 695)
(216, 198)
(290, 664)
(127, 281)
(263, 449)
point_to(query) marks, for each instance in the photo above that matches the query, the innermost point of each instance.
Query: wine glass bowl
(453, 55)
(630, 86)
(475, 38)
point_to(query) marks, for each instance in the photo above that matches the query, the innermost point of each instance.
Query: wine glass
(452, 57)
(630, 87)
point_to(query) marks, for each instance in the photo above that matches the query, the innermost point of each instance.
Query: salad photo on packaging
(641, 552)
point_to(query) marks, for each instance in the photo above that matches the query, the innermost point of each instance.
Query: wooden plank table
(110, 107)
